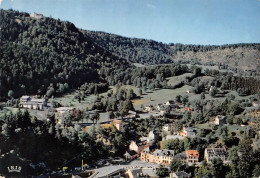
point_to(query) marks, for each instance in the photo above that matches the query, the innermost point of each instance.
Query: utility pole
(82, 165)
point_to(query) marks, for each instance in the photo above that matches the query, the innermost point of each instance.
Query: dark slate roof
(182, 174)
(163, 152)
(180, 156)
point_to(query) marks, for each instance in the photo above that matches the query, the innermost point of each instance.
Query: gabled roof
(220, 117)
(193, 153)
(158, 152)
(216, 151)
(25, 97)
(171, 101)
(131, 152)
(180, 156)
(182, 174)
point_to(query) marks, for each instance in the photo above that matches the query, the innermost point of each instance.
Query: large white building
(32, 103)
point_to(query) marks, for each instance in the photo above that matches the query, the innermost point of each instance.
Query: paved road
(103, 171)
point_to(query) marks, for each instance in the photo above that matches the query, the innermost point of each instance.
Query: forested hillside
(49, 57)
(133, 49)
(40, 55)
(243, 56)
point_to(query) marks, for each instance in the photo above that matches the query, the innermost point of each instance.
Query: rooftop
(221, 117)
(216, 151)
(193, 153)
(182, 174)
(158, 152)
(181, 156)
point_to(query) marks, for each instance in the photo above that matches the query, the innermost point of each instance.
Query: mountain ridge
(152, 52)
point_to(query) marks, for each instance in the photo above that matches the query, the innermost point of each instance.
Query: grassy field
(160, 96)
(177, 79)
(149, 97)
(70, 101)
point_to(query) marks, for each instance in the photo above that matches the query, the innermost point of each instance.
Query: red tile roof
(193, 153)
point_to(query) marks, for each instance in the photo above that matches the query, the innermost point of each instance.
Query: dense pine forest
(39, 55)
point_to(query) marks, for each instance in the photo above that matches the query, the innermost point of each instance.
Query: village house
(158, 156)
(220, 120)
(161, 107)
(61, 110)
(188, 132)
(182, 157)
(141, 172)
(180, 174)
(118, 124)
(171, 103)
(132, 114)
(166, 128)
(103, 125)
(137, 146)
(214, 153)
(192, 156)
(149, 108)
(129, 155)
(152, 136)
(32, 103)
(25, 98)
(145, 154)
(189, 109)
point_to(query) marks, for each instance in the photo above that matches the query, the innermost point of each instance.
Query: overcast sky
(168, 21)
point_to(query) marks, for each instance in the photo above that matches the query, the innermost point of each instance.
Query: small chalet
(118, 124)
(161, 107)
(137, 146)
(131, 115)
(171, 103)
(188, 132)
(220, 120)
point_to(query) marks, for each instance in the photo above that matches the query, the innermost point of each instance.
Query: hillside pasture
(160, 96)
(177, 79)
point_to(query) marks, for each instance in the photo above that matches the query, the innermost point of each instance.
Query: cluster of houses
(191, 157)
(147, 151)
(161, 107)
